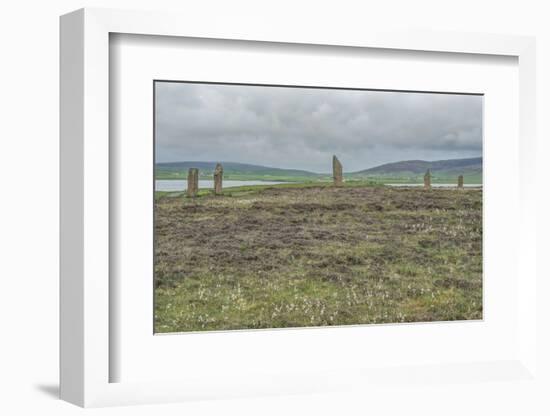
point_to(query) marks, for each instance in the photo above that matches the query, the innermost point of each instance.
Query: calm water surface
(181, 185)
(171, 185)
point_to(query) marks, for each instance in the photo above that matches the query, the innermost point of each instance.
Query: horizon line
(318, 173)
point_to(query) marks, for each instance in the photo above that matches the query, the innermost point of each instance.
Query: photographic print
(288, 206)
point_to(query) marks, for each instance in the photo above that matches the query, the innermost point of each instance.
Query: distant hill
(420, 166)
(408, 171)
(232, 170)
(413, 170)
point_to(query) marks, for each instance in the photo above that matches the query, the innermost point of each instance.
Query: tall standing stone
(428, 180)
(218, 179)
(337, 172)
(460, 182)
(192, 182)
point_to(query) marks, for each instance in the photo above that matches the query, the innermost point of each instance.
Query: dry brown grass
(293, 257)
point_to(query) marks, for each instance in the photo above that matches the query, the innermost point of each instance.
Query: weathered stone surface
(428, 180)
(337, 172)
(192, 182)
(460, 182)
(218, 179)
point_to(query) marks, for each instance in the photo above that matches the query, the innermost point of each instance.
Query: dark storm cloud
(302, 128)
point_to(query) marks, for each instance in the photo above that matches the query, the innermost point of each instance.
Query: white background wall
(29, 202)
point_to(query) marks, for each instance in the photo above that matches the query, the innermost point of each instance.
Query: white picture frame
(85, 351)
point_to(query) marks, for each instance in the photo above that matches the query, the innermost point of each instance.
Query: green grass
(312, 255)
(475, 178)
(444, 171)
(242, 177)
(238, 191)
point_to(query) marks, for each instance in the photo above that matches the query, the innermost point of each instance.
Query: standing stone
(337, 172)
(428, 180)
(192, 182)
(460, 182)
(218, 178)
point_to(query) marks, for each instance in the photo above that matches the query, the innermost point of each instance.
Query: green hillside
(409, 171)
(235, 171)
(412, 171)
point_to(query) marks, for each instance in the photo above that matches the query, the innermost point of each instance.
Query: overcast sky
(302, 128)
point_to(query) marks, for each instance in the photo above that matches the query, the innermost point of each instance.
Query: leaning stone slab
(192, 182)
(337, 175)
(460, 182)
(218, 179)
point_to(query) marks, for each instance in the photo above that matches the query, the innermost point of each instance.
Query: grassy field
(406, 172)
(443, 178)
(310, 255)
(470, 178)
(176, 175)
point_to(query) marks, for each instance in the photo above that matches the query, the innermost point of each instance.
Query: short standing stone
(428, 180)
(218, 178)
(460, 181)
(337, 172)
(192, 182)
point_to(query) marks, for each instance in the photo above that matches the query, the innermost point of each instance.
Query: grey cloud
(301, 128)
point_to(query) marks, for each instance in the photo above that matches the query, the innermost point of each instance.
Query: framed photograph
(260, 225)
(265, 212)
